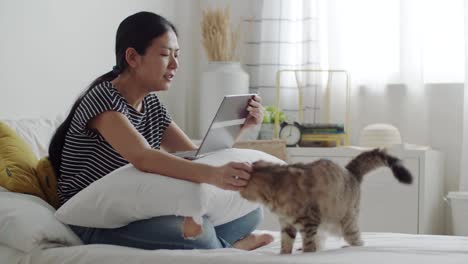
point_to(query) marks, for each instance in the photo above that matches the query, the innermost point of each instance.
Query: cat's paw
(357, 243)
(309, 250)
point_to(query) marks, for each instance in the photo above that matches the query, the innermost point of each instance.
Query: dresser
(386, 204)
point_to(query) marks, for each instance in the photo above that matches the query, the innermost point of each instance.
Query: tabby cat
(317, 194)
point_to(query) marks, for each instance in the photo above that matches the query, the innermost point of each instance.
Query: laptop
(224, 129)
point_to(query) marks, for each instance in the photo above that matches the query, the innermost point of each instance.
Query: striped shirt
(86, 156)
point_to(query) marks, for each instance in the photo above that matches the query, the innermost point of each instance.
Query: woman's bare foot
(253, 241)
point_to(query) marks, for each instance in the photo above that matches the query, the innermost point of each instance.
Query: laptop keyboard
(185, 153)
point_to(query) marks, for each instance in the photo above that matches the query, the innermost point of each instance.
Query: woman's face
(158, 66)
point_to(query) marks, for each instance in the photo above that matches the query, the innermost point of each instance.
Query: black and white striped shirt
(86, 156)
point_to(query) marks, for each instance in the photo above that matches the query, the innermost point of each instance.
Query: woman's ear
(132, 57)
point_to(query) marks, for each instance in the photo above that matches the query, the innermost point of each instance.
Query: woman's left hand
(255, 110)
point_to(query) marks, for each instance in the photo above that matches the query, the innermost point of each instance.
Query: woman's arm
(117, 130)
(174, 139)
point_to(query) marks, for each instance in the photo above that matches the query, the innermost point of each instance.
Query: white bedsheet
(9, 255)
(380, 248)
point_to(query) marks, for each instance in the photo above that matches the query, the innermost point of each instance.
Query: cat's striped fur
(317, 194)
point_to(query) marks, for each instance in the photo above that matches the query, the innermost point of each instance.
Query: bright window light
(443, 41)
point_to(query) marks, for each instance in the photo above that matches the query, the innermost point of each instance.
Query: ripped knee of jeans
(191, 229)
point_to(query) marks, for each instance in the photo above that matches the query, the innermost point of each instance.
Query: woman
(119, 121)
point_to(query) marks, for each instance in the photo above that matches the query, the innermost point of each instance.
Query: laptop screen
(226, 124)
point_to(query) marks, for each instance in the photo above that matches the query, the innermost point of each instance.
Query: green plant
(269, 115)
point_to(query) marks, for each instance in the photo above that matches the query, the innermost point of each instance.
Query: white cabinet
(386, 204)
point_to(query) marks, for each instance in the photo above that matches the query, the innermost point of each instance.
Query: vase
(220, 78)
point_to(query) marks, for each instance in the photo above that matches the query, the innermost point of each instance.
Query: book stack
(321, 129)
(321, 134)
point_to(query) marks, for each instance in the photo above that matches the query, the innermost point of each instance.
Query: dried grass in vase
(219, 40)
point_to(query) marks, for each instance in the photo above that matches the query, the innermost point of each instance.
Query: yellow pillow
(48, 181)
(17, 164)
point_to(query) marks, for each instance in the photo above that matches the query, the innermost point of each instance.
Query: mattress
(381, 248)
(9, 255)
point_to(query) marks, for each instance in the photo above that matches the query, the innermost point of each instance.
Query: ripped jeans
(167, 232)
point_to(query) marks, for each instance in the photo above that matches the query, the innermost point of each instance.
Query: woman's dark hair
(136, 31)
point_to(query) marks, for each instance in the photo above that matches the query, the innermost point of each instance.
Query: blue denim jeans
(167, 232)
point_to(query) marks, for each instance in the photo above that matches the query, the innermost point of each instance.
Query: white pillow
(127, 195)
(27, 222)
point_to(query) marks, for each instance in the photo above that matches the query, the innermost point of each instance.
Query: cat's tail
(371, 160)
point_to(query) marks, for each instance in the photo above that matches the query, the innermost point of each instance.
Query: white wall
(50, 50)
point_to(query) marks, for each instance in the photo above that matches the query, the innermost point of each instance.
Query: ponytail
(58, 139)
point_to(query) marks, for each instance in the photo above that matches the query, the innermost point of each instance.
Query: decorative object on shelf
(266, 130)
(219, 79)
(380, 135)
(219, 41)
(326, 134)
(307, 135)
(291, 133)
(223, 74)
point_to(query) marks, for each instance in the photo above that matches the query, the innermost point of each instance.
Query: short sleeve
(166, 116)
(163, 118)
(98, 100)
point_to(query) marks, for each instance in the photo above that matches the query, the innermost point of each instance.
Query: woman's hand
(231, 176)
(255, 110)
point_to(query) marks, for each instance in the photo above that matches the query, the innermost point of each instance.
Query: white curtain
(464, 152)
(379, 43)
(391, 48)
(282, 34)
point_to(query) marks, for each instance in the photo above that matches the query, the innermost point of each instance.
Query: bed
(28, 227)
(380, 248)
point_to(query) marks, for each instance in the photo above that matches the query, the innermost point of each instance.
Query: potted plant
(269, 114)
